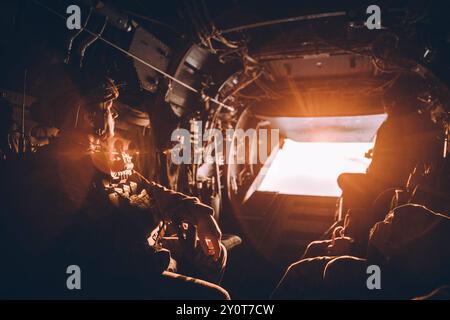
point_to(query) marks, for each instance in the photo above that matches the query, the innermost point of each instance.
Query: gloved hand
(209, 236)
(191, 258)
(208, 231)
(178, 207)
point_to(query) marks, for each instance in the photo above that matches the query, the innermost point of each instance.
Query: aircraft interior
(268, 149)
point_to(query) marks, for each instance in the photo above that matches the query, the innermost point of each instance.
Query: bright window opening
(311, 168)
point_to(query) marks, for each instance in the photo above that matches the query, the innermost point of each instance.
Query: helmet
(403, 92)
(98, 89)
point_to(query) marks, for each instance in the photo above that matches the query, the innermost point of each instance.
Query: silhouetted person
(57, 213)
(409, 246)
(404, 139)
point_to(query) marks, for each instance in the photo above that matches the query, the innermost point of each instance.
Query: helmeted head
(95, 112)
(77, 101)
(97, 118)
(80, 106)
(401, 97)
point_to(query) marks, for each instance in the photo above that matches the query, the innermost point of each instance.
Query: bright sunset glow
(311, 168)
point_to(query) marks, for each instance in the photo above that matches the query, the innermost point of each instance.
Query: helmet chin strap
(77, 116)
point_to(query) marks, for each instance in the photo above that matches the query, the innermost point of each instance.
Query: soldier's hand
(209, 235)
